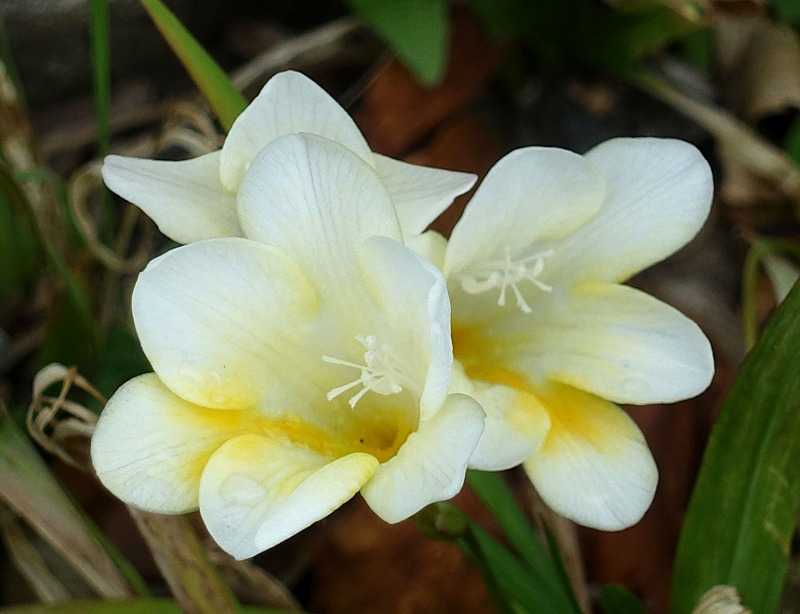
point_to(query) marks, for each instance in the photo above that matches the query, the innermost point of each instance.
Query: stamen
(507, 273)
(380, 373)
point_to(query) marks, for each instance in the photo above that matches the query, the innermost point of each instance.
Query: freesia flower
(545, 336)
(295, 367)
(195, 199)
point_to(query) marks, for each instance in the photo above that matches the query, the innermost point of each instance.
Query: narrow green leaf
(743, 511)
(416, 30)
(512, 578)
(101, 60)
(615, 599)
(495, 494)
(19, 248)
(226, 101)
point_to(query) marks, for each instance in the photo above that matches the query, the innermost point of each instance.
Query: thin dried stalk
(182, 561)
(52, 420)
(29, 562)
(566, 537)
(252, 583)
(742, 143)
(16, 147)
(29, 489)
(317, 41)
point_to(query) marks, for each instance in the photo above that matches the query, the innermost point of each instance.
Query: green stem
(759, 249)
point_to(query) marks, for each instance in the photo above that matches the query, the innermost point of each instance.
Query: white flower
(196, 199)
(294, 367)
(544, 335)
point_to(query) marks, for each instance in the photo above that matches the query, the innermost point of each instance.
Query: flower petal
(658, 197)
(224, 324)
(185, 199)
(150, 446)
(430, 245)
(515, 426)
(616, 342)
(289, 103)
(431, 464)
(531, 195)
(420, 193)
(317, 201)
(412, 295)
(258, 491)
(594, 466)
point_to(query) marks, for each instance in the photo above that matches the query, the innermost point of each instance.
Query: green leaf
(416, 30)
(19, 247)
(743, 511)
(792, 141)
(513, 580)
(70, 335)
(787, 10)
(615, 599)
(226, 101)
(543, 570)
(122, 359)
(586, 32)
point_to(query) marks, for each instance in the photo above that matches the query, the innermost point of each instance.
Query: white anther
(507, 273)
(380, 373)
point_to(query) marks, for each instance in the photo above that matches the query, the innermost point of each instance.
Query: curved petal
(289, 103)
(412, 295)
(431, 464)
(594, 466)
(185, 199)
(430, 245)
(150, 446)
(258, 491)
(658, 197)
(224, 324)
(317, 201)
(516, 425)
(532, 195)
(420, 193)
(618, 343)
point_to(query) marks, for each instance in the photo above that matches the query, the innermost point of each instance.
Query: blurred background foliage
(447, 83)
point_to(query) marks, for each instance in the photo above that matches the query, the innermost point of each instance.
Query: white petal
(594, 467)
(420, 193)
(431, 464)
(430, 245)
(658, 197)
(258, 491)
(223, 322)
(516, 425)
(317, 201)
(185, 199)
(532, 195)
(289, 103)
(412, 295)
(150, 446)
(618, 343)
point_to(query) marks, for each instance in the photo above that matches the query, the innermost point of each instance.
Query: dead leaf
(759, 60)
(396, 111)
